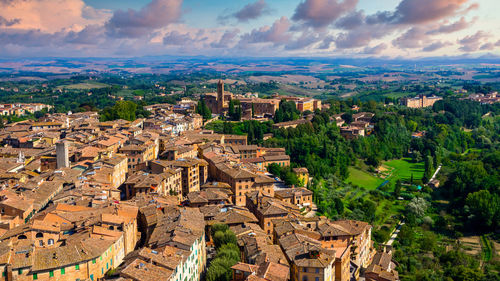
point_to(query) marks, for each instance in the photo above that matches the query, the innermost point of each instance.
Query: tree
(203, 109)
(125, 110)
(397, 188)
(231, 108)
(227, 128)
(484, 208)
(429, 168)
(412, 125)
(347, 117)
(274, 169)
(224, 237)
(417, 207)
(416, 156)
(428, 241)
(228, 254)
(286, 112)
(234, 110)
(468, 177)
(218, 227)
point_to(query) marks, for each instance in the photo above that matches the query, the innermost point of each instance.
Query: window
(35, 276)
(20, 271)
(51, 242)
(40, 243)
(51, 273)
(304, 269)
(39, 235)
(77, 267)
(317, 270)
(316, 279)
(93, 261)
(63, 271)
(304, 278)
(92, 277)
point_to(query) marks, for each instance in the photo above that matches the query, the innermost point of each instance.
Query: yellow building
(303, 175)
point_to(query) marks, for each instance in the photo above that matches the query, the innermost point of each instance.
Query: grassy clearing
(85, 86)
(403, 169)
(363, 179)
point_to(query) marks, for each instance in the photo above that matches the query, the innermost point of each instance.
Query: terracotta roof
(142, 271)
(234, 216)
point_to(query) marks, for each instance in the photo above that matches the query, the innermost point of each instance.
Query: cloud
(422, 11)
(453, 27)
(351, 21)
(305, 40)
(49, 15)
(252, 11)
(321, 13)
(90, 35)
(326, 43)
(376, 50)
(226, 40)
(487, 46)
(413, 38)
(28, 38)
(277, 34)
(473, 42)
(176, 38)
(134, 24)
(5, 22)
(436, 46)
(361, 36)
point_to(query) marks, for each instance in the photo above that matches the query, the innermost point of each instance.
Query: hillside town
(138, 200)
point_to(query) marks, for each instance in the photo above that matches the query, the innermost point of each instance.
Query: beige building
(420, 101)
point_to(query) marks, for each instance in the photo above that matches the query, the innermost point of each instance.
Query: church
(219, 103)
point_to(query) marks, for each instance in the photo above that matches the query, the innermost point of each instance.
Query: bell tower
(220, 97)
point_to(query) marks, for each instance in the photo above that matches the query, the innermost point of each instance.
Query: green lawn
(404, 168)
(363, 179)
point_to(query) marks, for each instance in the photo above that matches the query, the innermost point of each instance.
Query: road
(436, 172)
(395, 233)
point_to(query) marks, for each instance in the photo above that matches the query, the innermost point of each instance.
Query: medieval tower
(220, 97)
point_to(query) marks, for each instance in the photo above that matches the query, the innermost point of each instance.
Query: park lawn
(363, 179)
(404, 168)
(126, 93)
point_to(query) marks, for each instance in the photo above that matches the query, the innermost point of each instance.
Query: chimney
(62, 154)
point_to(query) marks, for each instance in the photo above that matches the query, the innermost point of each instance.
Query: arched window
(39, 235)
(51, 242)
(22, 237)
(111, 227)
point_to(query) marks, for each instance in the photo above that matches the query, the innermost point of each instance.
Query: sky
(249, 28)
